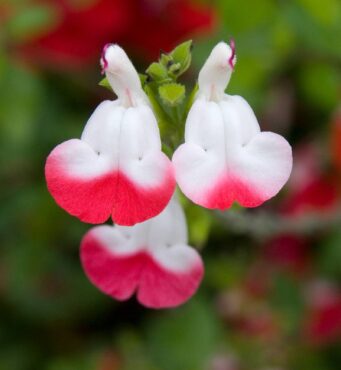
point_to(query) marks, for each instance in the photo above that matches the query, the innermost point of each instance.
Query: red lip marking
(233, 48)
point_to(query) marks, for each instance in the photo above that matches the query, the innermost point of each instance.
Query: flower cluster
(118, 169)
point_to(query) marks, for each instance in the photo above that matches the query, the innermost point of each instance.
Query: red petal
(228, 190)
(121, 275)
(93, 200)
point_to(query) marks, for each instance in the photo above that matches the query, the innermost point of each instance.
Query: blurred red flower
(162, 24)
(79, 33)
(323, 319)
(258, 279)
(311, 190)
(248, 314)
(288, 252)
(145, 26)
(261, 325)
(320, 194)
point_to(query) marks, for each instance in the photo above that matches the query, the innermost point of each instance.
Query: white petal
(102, 131)
(116, 241)
(265, 163)
(141, 158)
(240, 164)
(239, 119)
(204, 126)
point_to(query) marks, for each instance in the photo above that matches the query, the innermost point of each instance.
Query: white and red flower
(151, 258)
(225, 157)
(117, 168)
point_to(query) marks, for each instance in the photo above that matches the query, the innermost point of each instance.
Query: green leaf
(175, 70)
(172, 94)
(143, 78)
(172, 65)
(166, 60)
(105, 83)
(182, 55)
(157, 72)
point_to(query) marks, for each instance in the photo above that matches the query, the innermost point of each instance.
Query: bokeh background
(270, 299)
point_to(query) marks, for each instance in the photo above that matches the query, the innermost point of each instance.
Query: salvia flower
(225, 157)
(151, 258)
(117, 167)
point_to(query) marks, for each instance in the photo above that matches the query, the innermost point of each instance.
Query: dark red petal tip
(103, 58)
(233, 48)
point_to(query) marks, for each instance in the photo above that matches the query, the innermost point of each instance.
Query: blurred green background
(270, 298)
